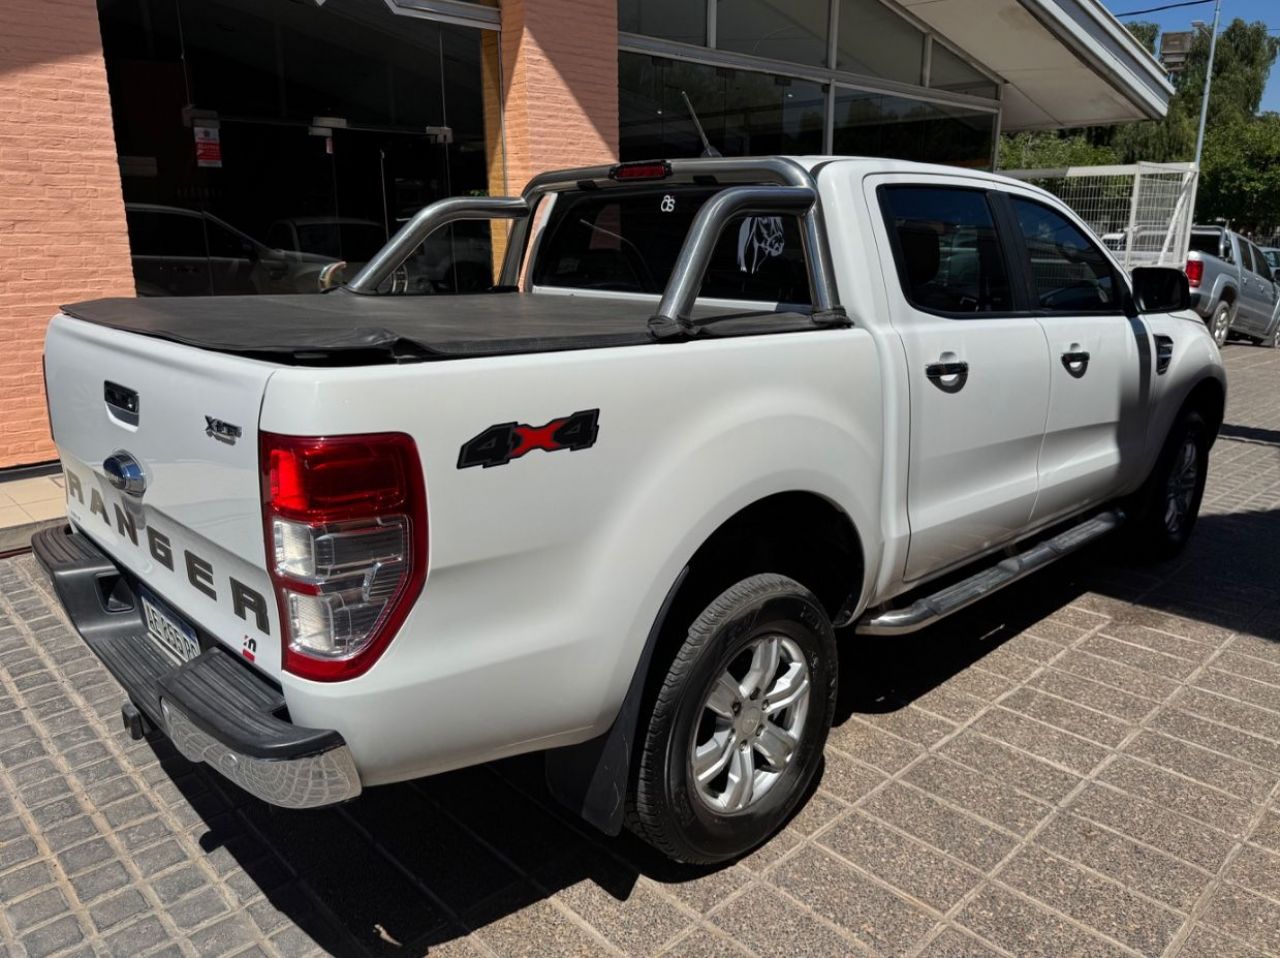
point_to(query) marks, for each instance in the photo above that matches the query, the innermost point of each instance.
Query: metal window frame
(689, 53)
(457, 12)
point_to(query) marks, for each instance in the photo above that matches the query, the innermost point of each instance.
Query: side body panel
(546, 573)
(973, 448)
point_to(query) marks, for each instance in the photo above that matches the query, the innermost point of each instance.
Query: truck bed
(342, 328)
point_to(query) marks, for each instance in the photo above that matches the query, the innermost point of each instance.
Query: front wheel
(737, 730)
(1165, 509)
(1220, 324)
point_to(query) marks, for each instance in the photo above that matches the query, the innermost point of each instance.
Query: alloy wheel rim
(1181, 488)
(749, 726)
(1220, 327)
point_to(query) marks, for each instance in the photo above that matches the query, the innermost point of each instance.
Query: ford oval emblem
(125, 473)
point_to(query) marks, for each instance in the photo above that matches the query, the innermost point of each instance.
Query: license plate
(174, 636)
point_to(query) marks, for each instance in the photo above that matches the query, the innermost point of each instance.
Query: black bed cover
(343, 328)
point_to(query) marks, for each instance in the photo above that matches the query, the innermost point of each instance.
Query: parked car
(903, 388)
(1272, 256)
(459, 260)
(183, 252)
(1232, 287)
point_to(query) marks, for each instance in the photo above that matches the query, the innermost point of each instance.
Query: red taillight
(345, 519)
(1195, 271)
(641, 171)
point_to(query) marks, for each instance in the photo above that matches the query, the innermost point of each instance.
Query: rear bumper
(213, 708)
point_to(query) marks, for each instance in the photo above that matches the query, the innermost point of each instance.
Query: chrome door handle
(950, 377)
(1076, 362)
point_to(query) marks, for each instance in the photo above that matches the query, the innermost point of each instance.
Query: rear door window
(627, 241)
(947, 250)
(1259, 262)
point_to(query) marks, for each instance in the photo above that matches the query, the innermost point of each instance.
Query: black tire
(1155, 533)
(1220, 324)
(667, 808)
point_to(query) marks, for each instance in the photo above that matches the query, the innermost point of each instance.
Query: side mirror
(1160, 289)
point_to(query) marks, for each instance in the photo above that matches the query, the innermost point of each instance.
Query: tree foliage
(1240, 175)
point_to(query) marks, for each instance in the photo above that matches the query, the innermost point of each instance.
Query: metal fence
(1142, 211)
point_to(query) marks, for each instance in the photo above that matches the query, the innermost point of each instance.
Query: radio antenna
(707, 148)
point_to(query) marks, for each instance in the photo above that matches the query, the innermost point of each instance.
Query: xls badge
(498, 445)
(222, 431)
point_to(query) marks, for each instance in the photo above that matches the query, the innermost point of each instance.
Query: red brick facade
(62, 232)
(62, 229)
(560, 72)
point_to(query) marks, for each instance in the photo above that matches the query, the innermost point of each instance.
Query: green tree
(1242, 64)
(1041, 149)
(1240, 180)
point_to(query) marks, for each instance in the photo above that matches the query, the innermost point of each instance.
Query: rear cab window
(627, 241)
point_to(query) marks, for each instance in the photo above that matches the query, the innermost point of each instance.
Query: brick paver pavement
(1088, 764)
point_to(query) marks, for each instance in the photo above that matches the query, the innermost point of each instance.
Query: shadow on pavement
(410, 866)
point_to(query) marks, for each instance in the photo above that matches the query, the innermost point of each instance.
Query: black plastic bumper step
(224, 699)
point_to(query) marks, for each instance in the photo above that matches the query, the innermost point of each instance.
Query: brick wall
(560, 73)
(62, 231)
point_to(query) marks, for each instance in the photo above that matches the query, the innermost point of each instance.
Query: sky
(1268, 11)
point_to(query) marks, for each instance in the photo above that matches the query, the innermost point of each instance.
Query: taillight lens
(1195, 271)
(346, 535)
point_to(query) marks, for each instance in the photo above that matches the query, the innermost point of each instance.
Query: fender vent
(1164, 353)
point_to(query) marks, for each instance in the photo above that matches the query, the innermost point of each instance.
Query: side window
(1259, 262)
(948, 255)
(278, 237)
(161, 233)
(1246, 257)
(226, 244)
(1069, 274)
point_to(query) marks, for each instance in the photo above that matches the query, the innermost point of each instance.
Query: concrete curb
(14, 538)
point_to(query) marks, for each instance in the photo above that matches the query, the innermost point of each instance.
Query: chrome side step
(953, 598)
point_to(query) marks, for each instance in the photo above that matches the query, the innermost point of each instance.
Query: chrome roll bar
(676, 307)
(425, 222)
(790, 189)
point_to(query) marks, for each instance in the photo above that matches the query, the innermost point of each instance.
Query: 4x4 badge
(222, 431)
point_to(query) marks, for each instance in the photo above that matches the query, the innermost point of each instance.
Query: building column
(560, 85)
(62, 228)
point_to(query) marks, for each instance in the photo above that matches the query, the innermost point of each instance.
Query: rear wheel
(1220, 324)
(1165, 509)
(736, 732)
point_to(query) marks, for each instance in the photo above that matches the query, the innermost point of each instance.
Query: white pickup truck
(615, 508)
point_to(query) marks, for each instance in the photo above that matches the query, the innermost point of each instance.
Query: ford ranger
(614, 508)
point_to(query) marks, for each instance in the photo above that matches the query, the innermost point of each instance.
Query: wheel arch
(798, 533)
(1209, 398)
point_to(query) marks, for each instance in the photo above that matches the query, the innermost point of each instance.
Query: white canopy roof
(1066, 62)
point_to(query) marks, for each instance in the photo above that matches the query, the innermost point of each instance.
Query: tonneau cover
(352, 329)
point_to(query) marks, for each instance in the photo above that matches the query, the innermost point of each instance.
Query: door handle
(950, 377)
(1076, 362)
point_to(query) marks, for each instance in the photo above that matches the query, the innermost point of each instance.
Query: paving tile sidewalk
(28, 504)
(1087, 764)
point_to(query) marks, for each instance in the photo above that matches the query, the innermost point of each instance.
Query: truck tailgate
(195, 535)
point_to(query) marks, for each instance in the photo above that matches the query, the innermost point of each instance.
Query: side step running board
(953, 598)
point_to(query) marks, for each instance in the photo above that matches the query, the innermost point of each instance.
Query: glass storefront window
(875, 41)
(684, 21)
(326, 127)
(948, 72)
(743, 113)
(790, 30)
(872, 124)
